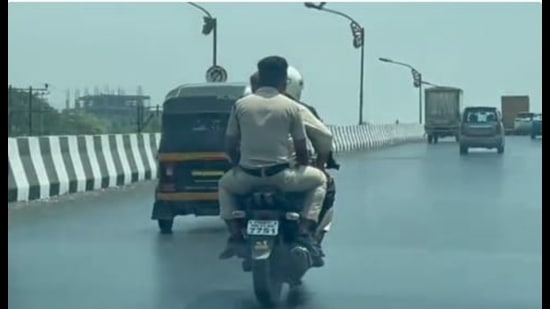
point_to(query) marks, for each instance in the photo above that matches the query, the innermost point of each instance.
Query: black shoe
(302, 260)
(314, 249)
(247, 265)
(319, 241)
(317, 259)
(234, 247)
(321, 252)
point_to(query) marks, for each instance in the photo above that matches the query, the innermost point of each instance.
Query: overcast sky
(486, 49)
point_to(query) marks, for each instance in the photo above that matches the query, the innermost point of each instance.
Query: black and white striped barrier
(353, 137)
(43, 167)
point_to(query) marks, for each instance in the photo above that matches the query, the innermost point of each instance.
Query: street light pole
(420, 99)
(417, 78)
(30, 111)
(358, 33)
(210, 25)
(361, 77)
(215, 42)
(429, 84)
(10, 110)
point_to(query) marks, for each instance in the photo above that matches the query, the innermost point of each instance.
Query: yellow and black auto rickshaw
(191, 152)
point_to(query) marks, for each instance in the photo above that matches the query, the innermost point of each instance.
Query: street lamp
(358, 33)
(210, 26)
(417, 82)
(429, 84)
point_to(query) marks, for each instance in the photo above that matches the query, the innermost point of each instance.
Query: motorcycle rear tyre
(268, 286)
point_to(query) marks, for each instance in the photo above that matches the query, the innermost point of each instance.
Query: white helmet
(294, 83)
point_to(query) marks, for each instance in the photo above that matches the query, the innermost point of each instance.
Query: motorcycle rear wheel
(268, 285)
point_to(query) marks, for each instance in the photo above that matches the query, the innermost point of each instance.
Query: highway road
(417, 227)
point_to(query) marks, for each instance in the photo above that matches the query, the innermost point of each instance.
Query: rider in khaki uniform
(321, 141)
(257, 144)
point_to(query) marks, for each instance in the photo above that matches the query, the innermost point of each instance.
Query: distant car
(523, 122)
(536, 126)
(481, 127)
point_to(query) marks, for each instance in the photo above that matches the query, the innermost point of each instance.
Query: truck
(443, 109)
(512, 106)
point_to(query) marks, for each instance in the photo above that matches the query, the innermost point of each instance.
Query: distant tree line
(31, 116)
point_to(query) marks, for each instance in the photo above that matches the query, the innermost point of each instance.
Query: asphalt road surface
(417, 227)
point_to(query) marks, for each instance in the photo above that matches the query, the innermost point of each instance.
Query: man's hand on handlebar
(333, 166)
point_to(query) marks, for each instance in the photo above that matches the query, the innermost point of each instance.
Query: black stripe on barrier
(101, 161)
(12, 185)
(81, 140)
(116, 160)
(28, 166)
(69, 166)
(46, 153)
(144, 158)
(130, 157)
(154, 143)
(138, 152)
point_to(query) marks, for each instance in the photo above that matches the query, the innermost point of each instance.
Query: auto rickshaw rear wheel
(165, 225)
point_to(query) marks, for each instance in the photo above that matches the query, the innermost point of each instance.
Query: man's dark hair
(254, 81)
(272, 71)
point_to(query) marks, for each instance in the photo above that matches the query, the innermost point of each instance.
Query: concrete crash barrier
(352, 138)
(44, 167)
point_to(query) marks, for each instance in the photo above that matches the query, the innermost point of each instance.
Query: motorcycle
(269, 220)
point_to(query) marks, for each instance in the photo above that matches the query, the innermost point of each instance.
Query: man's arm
(298, 134)
(319, 135)
(233, 137)
(331, 162)
(313, 111)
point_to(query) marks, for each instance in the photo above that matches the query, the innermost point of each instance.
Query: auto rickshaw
(191, 156)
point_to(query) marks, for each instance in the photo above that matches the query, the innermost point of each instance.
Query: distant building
(121, 111)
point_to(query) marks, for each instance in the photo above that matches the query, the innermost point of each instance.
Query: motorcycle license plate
(262, 227)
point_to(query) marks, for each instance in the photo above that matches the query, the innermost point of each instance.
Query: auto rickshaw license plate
(207, 173)
(206, 176)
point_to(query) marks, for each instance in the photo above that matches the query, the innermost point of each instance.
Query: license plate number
(262, 227)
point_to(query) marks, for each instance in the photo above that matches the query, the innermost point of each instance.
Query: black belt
(265, 171)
